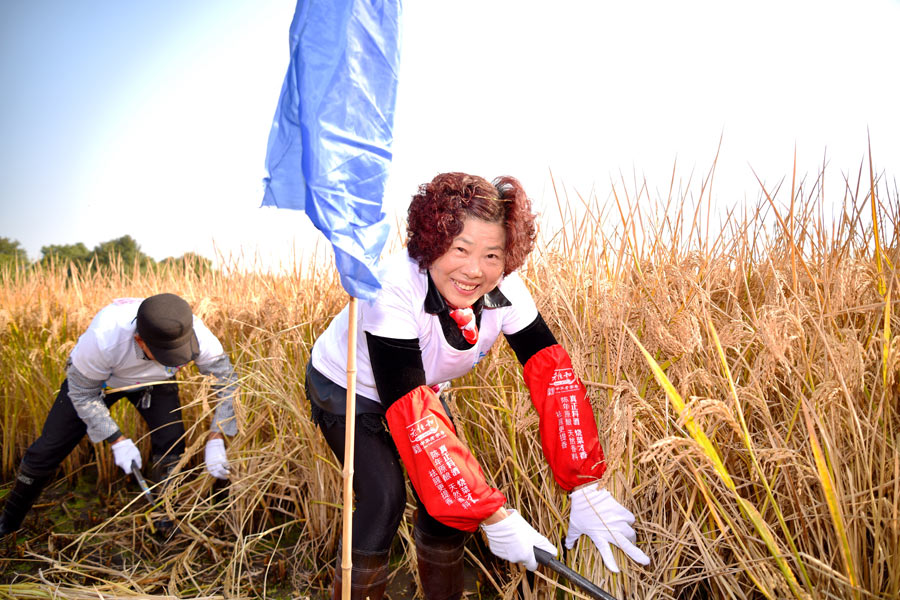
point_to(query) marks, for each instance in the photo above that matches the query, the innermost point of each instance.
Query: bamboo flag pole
(339, 49)
(349, 439)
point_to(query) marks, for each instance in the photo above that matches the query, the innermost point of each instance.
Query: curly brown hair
(438, 210)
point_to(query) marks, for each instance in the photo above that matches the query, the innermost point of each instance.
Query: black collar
(435, 303)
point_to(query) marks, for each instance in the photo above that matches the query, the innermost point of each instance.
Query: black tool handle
(546, 559)
(141, 482)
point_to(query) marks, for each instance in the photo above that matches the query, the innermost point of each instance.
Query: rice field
(743, 365)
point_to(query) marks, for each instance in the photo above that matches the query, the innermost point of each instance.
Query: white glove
(124, 453)
(596, 513)
(216, 459)
(514, 540)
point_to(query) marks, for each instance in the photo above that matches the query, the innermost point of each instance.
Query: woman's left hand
(596, 514)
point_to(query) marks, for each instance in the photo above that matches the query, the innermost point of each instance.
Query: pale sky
(151, 118)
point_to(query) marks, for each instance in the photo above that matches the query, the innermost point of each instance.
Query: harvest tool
(546, 559)
(136, 471)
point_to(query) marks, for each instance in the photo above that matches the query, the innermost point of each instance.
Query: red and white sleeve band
(444, 473)
(568, 430)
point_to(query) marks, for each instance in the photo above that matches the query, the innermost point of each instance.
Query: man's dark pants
(63, 429)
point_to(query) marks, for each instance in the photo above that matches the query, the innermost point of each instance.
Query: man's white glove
(597, 514)
(216, 459)
(514, 540)
(124, 453)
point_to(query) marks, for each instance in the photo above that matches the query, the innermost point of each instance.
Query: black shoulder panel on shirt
(495, 299)
(396, 366)
(531, 340)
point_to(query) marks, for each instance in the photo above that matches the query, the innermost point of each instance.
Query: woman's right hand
(513, 539)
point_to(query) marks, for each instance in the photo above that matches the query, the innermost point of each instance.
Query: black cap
(166, 324)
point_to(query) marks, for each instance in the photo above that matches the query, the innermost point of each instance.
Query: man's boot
(440, 562)
(162, 469)
(19, 500)
(369, 572)
(160, 474)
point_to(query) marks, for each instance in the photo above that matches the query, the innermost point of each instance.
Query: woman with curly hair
(442, 305)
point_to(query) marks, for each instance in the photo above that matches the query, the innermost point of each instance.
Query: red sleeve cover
(446, 476)
(568, 430)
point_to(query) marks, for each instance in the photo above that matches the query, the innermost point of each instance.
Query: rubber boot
(20, 499)
(162, 469)
(440, 563)
(369, 572)
(160, 474)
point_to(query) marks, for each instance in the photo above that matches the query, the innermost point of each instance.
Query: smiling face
(473, 264)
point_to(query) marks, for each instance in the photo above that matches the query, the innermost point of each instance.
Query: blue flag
(330, 145)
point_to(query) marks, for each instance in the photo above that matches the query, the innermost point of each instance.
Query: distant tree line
(124, 250)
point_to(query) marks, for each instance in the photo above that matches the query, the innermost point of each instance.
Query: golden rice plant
(743, 367)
